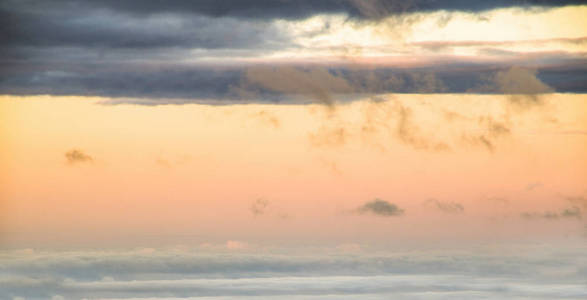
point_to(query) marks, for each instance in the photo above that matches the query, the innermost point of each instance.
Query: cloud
(575, 211)
(76, 156)
(534, 185)
(381, 208)
(386, 117)
(577, 200)
(166, 274)
(259, 207)
(381, 120)
(518, 80)
(330, 135)
(571, 212)
(409, 132)
(263, 207)
(447, 207)
(444, 45)
(317, 83)
(157, 81)
(186, 51)
(285, 9)
(521, 83)
(98, 29)
(378, 9)
(268, 118)
(492, 131)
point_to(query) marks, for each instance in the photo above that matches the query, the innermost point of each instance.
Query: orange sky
(196, 170)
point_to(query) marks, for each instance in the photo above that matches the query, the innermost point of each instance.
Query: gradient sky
(345, 125)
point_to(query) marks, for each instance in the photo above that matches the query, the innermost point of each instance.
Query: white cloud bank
(535, 272)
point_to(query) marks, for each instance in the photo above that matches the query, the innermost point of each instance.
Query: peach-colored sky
(195, 170)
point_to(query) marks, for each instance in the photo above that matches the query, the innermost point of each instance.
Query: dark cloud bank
(225, 86)
(288, 9)
(131, 49)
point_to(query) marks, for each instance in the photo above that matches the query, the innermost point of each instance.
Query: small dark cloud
(568, 213)
(445, 206)
(381, 208)
(76, 156)
(408, 132)
(577, 200)
(259, 207)
(268, 118)
(573, 212)
(264, 207)
(330, 135)
(493, 130)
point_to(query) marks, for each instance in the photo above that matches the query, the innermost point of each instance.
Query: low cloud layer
(181, 273)
(174, 84)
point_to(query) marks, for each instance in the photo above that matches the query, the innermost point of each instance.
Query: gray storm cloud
(147, 49)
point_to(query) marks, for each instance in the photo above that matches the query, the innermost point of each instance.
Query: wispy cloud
(534, 185)
(259, 207)
(445, 206)
(567, 213)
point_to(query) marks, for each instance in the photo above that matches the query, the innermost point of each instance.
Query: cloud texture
(402, 275)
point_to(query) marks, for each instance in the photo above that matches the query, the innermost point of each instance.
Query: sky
(334, 149)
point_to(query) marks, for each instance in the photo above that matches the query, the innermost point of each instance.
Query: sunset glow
(293, 150)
